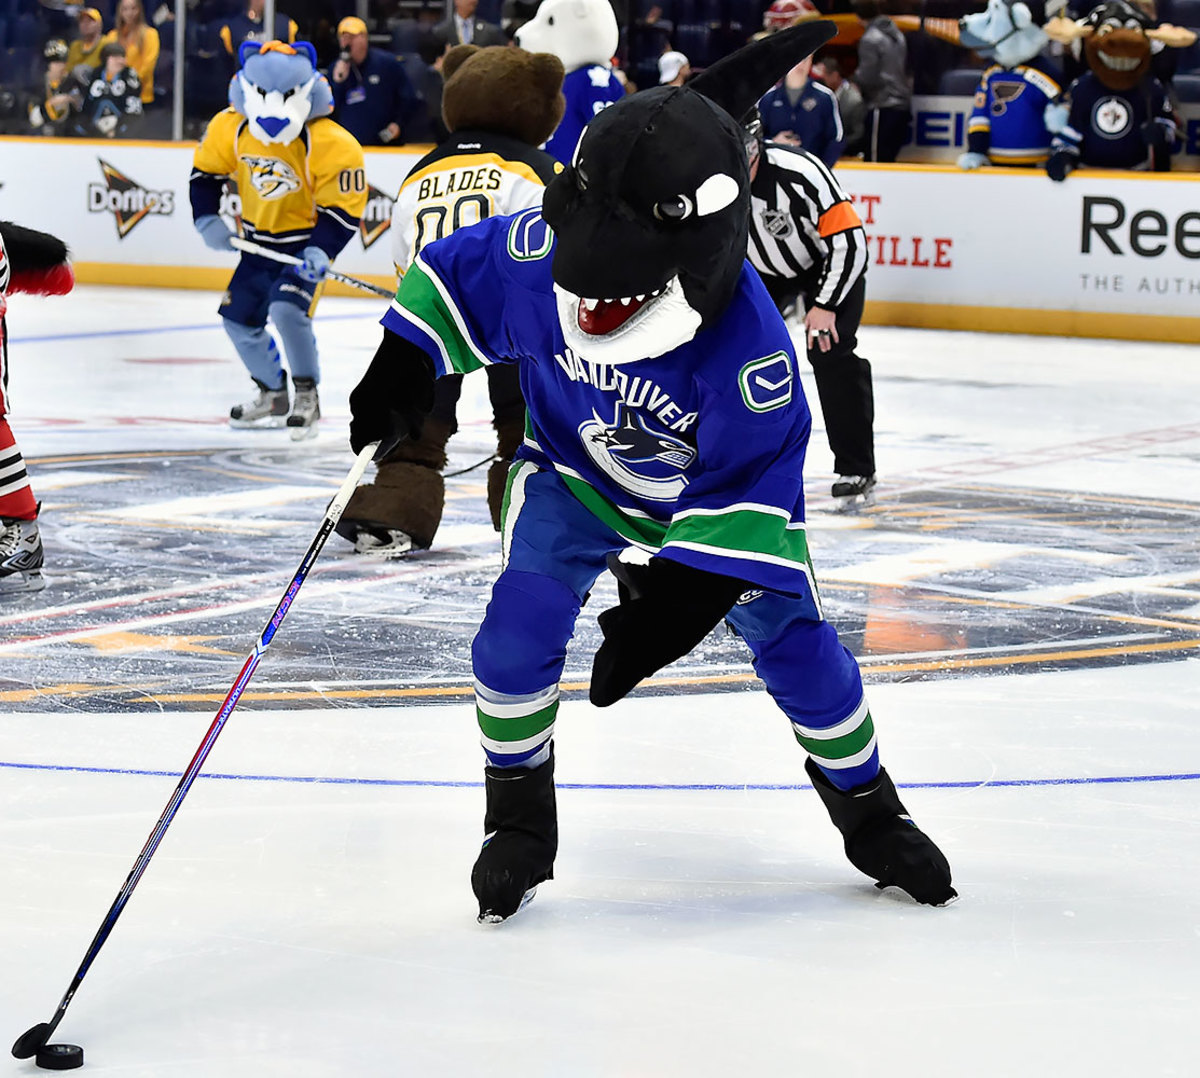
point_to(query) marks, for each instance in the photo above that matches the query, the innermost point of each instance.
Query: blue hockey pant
(554, 549)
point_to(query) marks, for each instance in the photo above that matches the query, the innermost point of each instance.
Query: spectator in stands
(372, 96)
(428, 84)
(85, 49)
(654, 33)
(849, 102)
(673, 69)
(112, 104)
(462, 28)
(802, 112)
(139, 44)
(881, 76)
(248, 26)
(62, 93)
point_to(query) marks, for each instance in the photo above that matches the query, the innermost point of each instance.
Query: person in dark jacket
(372, 96)
(800, 112)
(881, 76)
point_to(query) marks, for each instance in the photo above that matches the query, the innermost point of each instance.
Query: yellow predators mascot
(303, 188)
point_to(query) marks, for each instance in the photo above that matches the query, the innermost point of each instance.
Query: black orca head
(651, 216)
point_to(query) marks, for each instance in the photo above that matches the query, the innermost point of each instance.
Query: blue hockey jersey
(1105, 126)
(588, 90)
(697, 453)
(1007, 122)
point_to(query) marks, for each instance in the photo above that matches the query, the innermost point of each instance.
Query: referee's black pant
(843, 379)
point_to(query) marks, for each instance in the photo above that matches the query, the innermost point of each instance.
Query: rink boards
(1106, 254)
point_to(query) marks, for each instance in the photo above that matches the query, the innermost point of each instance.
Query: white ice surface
(304, 928)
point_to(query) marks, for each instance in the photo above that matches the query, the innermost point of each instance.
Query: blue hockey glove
(214, 232)
(316, 265)
(1060, 165)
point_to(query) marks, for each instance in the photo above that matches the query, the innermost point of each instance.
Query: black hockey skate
(882, 841)
(520, 841)
(850, 491)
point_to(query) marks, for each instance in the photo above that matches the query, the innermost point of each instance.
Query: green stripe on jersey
(420, 295)
(517, 729)
(640, 530)
(742, 532)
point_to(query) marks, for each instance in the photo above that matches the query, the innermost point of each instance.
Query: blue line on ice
(1092, 780)
(214, 324)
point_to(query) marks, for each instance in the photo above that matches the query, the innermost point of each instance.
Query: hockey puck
(59, 1057)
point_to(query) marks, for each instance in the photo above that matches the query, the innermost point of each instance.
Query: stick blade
(32, 1040)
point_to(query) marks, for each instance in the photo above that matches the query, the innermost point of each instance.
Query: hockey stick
(32, 1040)
(278, 256)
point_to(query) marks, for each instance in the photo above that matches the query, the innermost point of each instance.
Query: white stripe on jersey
(784, 237)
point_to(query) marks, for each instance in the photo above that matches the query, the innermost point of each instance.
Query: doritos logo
(376, 218)
(126, 199)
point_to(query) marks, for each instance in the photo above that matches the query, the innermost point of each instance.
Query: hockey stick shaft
(36, 1037)
(291, 260)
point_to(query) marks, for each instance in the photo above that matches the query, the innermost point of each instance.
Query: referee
(808, 244)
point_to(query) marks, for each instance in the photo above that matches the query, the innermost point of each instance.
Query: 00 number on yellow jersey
(435, 222)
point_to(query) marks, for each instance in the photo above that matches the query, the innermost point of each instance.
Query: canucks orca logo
(646, 462)
(270, 177)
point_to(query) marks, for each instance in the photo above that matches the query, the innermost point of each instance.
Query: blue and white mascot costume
(1008, 124)
(302, 189)
(583, 34)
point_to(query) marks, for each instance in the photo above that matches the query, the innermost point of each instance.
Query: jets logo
(270, 177)
(648, 463)
(1112, 117)
(776, 223)
(1003, 94)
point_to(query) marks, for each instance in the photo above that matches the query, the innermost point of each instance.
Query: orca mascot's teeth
(658, 191)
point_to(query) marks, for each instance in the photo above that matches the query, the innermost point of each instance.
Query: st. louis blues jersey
(1007, 122)
(588, 90)
(1105, 127)
(697, 453)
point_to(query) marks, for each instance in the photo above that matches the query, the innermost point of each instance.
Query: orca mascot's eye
(676, 208)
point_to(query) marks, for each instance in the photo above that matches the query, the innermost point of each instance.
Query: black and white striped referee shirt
(802, 224)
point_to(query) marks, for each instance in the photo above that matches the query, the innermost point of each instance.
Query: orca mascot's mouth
(651, 217)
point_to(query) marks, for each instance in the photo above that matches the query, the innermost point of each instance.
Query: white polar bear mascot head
(578, 32)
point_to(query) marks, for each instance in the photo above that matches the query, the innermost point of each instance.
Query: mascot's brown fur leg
(510, 433)
(407, 495)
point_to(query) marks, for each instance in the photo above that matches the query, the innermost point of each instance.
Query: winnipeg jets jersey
(286, 189)
(1105, 126)
(1007, 122)
(697, 453)
(471, 176)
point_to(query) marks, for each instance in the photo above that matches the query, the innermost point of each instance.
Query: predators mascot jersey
(302, 187)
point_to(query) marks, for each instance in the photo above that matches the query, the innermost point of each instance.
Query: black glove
(1060, 166)
(393, 398)
(666, 610)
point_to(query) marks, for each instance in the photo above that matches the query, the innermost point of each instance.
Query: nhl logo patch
(776, 223)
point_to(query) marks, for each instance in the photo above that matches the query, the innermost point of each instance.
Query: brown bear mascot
(499, 104)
